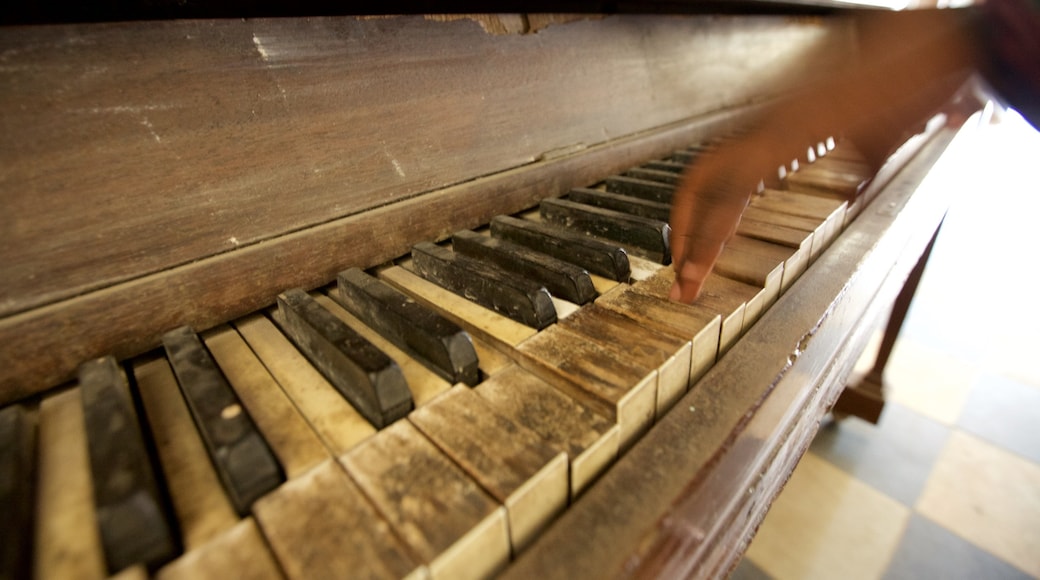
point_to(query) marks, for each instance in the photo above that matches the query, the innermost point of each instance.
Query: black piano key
(685, 156)
(666, 177)
(641, 188)
(131, 515)
(244, 462)
(560, 278)
(669, 166)
(365, 375)
(17, 455)
(598, 257)
(436, 341)
(644, 236)
(512, 296)
(623, 203)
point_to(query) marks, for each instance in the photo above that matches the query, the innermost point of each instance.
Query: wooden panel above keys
(518, 468)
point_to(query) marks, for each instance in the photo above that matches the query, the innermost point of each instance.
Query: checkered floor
(948, 484)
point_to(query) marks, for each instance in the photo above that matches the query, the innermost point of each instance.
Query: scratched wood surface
(163, 173)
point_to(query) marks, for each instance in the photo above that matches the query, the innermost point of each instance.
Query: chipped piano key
(370, 380)
(639, 235)
(131, 516)
(522, 300)
(246, 466)
(829, 212)
(598, 257)
(436, 341)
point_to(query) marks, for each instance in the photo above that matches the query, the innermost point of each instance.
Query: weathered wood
(244, 462)
(522, 300)
(66, 539)
(131, 515)
(289, 436)
(640, 188)
(595, 376)
(515, 465)
(239, 552)
(439, 343)
(369, 379)
(17, 479)
(562, 279)
(641, 236)
(332, 417)
(623, 203)
(448, 521)
(202, 508)
(595, 256)
(590, 440)
(322, 526)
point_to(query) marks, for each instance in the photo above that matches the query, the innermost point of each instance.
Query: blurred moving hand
(909, 66)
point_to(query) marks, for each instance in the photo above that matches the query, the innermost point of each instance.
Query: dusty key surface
(17, 459)
(590, 440)
(339, 424)
(642, 188)
(292, 440)
(668, 353)
(369, 379)
(239, 552)
(67, 544)
(321, 525)
(516, 466)
(444, 516)
(595, 376)
(423, 333)
(131, 516)
(246, 466)
(202, 507)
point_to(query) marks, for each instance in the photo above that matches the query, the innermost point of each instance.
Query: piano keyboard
(428, 417)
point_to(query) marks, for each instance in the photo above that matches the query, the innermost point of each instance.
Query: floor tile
(895, 456)
(1005, 413)
(928, 381)
(929, 551)
(989, 497)
(826, 524)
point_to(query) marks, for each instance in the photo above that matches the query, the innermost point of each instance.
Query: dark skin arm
(912, 63)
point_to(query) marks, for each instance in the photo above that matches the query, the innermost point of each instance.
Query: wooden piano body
(160, 174)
